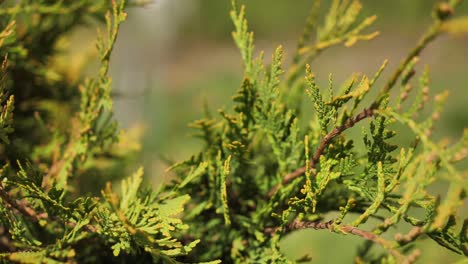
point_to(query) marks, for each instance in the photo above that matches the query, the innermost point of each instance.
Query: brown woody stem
(21, 207)
(348, 229)
(24, 209)
(323, 144)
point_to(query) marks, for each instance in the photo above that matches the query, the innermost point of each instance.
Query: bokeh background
(175, 56)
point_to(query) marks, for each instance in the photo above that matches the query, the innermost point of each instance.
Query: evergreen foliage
(263, 173)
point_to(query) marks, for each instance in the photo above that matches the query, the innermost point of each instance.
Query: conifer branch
(341, 26)
(429, 36)
(431, 33)
(95, 102)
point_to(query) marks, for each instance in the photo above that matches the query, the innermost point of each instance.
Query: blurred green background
(174, 56)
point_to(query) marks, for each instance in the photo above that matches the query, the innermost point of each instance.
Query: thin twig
(348, 229)
(412, 235)
(21, 207)
(323, 144)
(430, 35)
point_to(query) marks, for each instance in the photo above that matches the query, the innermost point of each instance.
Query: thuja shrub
(266, 170)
